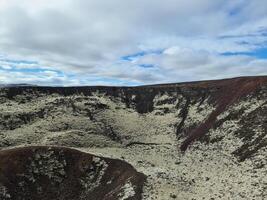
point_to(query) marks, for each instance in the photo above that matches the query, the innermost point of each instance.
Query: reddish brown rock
(229, 91)
(46, 173)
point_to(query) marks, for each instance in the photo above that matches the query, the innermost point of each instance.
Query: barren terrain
(200, 140)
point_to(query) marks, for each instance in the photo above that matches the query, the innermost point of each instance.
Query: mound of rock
(46, 173)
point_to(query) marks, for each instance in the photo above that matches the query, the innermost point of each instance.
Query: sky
(133, 42)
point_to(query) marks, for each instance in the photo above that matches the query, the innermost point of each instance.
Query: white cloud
(89, 38)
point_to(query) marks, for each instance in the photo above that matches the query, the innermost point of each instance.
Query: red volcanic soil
(229, 91)
(47, 173)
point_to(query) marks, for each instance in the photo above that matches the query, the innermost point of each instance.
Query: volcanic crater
(196, 140)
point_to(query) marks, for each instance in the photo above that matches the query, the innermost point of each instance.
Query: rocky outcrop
(47, 173)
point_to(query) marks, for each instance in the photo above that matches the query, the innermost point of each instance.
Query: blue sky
(259, 53)
(132, 42)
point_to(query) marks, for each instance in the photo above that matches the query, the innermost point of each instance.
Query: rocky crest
(47, 173)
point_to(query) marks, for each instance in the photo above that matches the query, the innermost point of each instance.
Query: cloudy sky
(130, 42)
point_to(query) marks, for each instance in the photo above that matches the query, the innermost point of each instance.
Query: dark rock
(46, 173)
